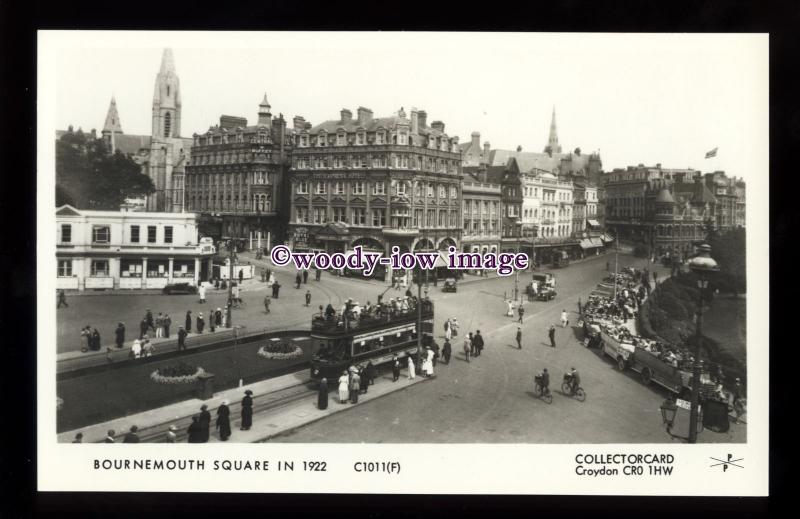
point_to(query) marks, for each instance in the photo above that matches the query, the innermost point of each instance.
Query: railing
(337, 324)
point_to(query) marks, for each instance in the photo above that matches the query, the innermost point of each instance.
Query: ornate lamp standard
(703, 265)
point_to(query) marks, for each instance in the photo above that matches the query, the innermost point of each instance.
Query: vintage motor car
(449, 285)
(179, 288)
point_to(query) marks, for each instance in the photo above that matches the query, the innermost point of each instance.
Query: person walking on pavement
(448, 330)
(62, 299)
(580, 307)
(478, 342)
(519, 337)
(552, 334)
(368, 377)
(241, 276)
(159, 326)
(149, 318)
(142, 328)
(298, 279)
(181, 338)
(119, 335)
(412, 371)
(267, 301)
(172, 435)
(201, 323)
(355, 386)
(564, 318)
(224, 421)
(96, 340)
(202, 291)
(247, 411)
(195, 431)
(305, 277)
(188, 322)
(322, 394)
(344, 387)
(447, 350)
(317, 274)
(308, 297)
(132, 436)
(395, 369)
(275, 290)
(167, 324)
(136, 349)
(218, 316)
(472, 351)
(212, 320)
(467, 346)
(521, 312)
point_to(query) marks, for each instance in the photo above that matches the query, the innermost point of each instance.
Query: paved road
(491, 398)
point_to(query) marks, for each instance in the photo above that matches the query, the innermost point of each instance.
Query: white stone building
(128, 250)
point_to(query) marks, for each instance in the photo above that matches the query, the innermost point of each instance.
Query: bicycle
(541, 392)
(568, 389)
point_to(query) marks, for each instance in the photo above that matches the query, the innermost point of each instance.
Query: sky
(638, 99)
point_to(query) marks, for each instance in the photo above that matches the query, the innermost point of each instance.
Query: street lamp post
(702, 265)
(519, 248)
(231, 258)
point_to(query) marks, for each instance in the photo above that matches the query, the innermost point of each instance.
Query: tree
(89, 177)
(729, 249)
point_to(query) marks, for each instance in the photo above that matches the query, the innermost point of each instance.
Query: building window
(66, 233)
(400, 218)
(339, 188)
(430, 221)
(401, 189)
(379, 188)
(100, 268)
(168, 234)
(378, 218)
(167, 123)
(339, 214)
(430, 190)
(101, 234)
(151, 234)
(302, 215)
(302, 188)
(453, 192)
(358, 187)
(321, 188)
(322, 140)
(359, 216)
(380, 137)
(361, 138)
(442, 192)
(320, 215)
(64, 268)
(442, 219)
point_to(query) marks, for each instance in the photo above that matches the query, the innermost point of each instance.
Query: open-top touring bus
(343, 341)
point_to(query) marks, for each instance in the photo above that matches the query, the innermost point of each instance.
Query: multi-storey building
(375, 182)
(236, 178)
(730, 196)
(665, 209)
(128, 250)
(482, 208)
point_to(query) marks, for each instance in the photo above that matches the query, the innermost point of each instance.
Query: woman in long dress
(322, 395)
(224, 421)
(247, 410)
(344, 388)
(448, 331)
(411, 368)
(427, 365)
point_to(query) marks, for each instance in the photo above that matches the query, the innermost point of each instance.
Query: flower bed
(280, 351)
(177, 374)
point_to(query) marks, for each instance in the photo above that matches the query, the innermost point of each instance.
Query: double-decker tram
(374, 335)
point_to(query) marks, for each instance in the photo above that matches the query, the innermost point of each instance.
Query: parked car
(449, 285)
(179, 288)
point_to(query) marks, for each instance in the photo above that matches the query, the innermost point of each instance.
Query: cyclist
(574, 379)
(544, 380)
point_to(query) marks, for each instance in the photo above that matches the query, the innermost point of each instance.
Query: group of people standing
(352, 383)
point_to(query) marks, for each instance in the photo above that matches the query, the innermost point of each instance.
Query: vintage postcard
(380, 262)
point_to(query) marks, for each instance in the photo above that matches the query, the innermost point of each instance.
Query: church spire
(112, 125)
(552, 142)
(167, 99)
(167, 62)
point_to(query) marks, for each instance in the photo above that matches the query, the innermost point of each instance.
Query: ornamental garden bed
(180, 373)
(280, 350)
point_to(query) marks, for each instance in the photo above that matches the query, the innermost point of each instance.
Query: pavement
(281, 404)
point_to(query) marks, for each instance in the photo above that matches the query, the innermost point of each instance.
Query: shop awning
(606, 238)
(596, 242)
(593, 223)
(586, 244)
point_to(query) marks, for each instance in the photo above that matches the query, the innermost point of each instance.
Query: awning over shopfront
(596, 242)
(586, 244)
(593, 223)
(591, 243)
(606, 238)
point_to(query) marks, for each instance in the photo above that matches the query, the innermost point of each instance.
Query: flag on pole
(712, 153)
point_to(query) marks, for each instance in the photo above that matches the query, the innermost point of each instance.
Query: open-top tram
(340, 341)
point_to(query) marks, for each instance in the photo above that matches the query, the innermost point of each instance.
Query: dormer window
(341, 139)
(361, 138)
(403, 137)
(380, 137)
(304, 141)
(322, 140)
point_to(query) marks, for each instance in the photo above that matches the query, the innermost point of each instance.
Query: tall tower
(552, 142)
(264, 115)
(167, 155)
(112, 125)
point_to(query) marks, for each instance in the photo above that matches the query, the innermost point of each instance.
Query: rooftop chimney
(299, 122)
(486, 152)
(476, 139)
(364, 115)
(438, 125)
(347, 116)
(423, 118)
(414, 120)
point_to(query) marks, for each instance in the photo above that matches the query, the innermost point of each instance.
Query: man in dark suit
(478, 342)
(519, 337)
(205, 423)
(552, 334)
(132, 437)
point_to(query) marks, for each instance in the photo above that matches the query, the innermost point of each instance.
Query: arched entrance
(369, 244)
(423, 244)
(447, 242)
